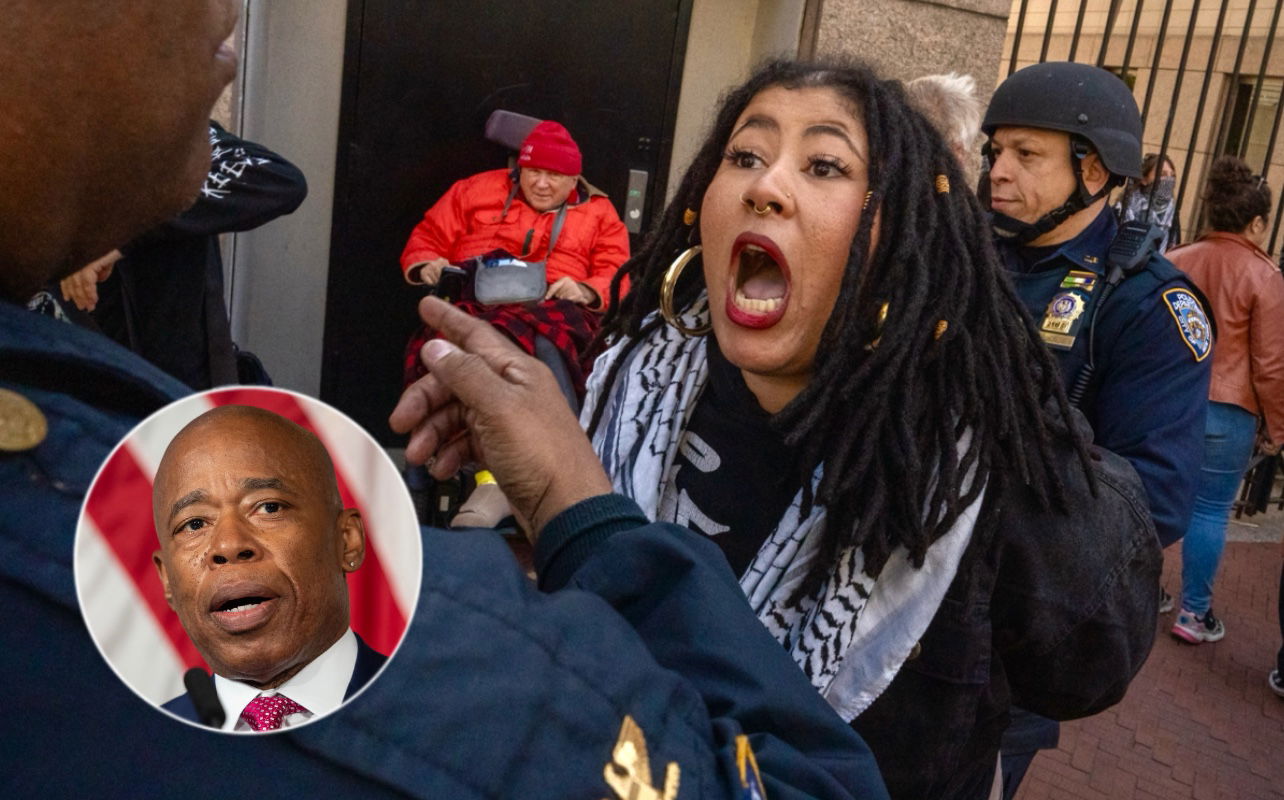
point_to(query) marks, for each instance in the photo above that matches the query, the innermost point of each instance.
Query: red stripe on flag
(121, 507)
(374, 613)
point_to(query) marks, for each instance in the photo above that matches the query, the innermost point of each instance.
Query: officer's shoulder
(1174, 295)
(1165, 271)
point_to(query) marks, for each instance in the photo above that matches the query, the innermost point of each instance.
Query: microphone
(200, 687)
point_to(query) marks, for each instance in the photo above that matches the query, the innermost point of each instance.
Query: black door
(420, 80)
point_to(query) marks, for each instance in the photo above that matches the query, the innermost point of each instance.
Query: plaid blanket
(569, 326)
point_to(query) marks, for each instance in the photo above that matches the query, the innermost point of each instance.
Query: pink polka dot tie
(265, 712)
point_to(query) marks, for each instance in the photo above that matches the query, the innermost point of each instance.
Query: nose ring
(762, 212)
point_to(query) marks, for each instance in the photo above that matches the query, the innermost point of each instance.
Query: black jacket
(164, 299)
(1052, 612)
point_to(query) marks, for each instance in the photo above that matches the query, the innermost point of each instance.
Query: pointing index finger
(472, 335)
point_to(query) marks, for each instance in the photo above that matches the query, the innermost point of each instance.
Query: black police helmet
(1079, 99)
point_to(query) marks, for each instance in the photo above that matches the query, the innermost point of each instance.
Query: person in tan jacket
(1246, 295)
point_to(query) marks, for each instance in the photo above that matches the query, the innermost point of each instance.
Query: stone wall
(908, 38)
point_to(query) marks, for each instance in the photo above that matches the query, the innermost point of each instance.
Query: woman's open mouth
(760, 292)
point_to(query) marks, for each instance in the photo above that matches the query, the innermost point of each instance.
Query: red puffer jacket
(469, 220)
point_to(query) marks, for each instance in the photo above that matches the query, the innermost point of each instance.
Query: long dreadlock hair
(886, 423)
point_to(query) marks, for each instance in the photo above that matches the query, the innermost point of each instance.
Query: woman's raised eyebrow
(819, 129)
(831, 129)
(759, 121)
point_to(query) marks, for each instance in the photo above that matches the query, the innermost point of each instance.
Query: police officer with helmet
(1128, 328)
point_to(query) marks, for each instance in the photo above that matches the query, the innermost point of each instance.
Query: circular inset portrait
(247, 559)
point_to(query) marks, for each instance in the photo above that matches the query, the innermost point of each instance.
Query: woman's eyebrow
(759, 121)
(833, 129)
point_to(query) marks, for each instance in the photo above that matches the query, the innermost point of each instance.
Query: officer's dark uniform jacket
(1149, 390)
(640, 680)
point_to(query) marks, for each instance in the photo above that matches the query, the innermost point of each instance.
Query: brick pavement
(1198, 721)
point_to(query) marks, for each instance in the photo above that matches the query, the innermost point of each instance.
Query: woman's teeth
(755, 305)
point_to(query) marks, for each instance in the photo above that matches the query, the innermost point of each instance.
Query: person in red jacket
(542, 211)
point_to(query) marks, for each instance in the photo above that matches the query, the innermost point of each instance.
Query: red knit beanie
(550, 146)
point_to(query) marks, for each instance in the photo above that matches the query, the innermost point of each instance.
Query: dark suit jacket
(368, 663)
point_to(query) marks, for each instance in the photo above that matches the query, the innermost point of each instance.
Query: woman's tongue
(763, 292)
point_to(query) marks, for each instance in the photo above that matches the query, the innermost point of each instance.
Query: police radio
(1135, 242)
(1132, 247)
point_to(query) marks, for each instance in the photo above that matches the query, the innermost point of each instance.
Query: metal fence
(1227, 55)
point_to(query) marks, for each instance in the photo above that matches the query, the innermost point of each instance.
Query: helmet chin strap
(1015, 231)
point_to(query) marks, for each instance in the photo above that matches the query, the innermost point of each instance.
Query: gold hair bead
(878, 328)
(689, 217)
(942, 184)
(941, 327)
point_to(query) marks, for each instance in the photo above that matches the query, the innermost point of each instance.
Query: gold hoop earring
(671, 276)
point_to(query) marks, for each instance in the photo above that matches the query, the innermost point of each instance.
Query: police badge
(1061, 321)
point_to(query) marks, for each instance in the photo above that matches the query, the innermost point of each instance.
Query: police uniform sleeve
(644, 675)
(1152, 398)
(677, 593)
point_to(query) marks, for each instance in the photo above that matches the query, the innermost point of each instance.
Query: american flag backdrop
(120, 593)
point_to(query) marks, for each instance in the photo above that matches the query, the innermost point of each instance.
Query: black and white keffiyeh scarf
(851, 638)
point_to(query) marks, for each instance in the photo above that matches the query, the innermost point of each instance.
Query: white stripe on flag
(378, 490)
(130, 638)
(148, 443)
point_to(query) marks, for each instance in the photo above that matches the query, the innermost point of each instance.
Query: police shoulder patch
(1191, 320)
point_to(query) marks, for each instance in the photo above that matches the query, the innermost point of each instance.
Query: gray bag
(500, 278)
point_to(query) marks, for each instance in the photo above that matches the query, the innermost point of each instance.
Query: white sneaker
(1165, 601)
(486, 507)
(1191, 627)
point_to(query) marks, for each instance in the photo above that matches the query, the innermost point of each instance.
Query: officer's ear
(1095, 174)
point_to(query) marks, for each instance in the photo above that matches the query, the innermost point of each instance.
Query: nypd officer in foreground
(1128, 328)
(661, 684)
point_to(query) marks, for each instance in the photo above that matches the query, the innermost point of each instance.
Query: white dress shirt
(319, 687)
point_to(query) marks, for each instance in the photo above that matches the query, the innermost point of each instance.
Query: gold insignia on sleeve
(628, 773)
(747, 764)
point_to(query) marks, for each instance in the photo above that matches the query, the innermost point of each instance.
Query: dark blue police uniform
(648, 676)
(1149, 389)
(1148, 392)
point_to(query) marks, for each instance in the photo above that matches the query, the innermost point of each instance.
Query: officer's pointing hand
(485, 400)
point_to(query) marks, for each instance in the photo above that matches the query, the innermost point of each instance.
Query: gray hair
(950, 103)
